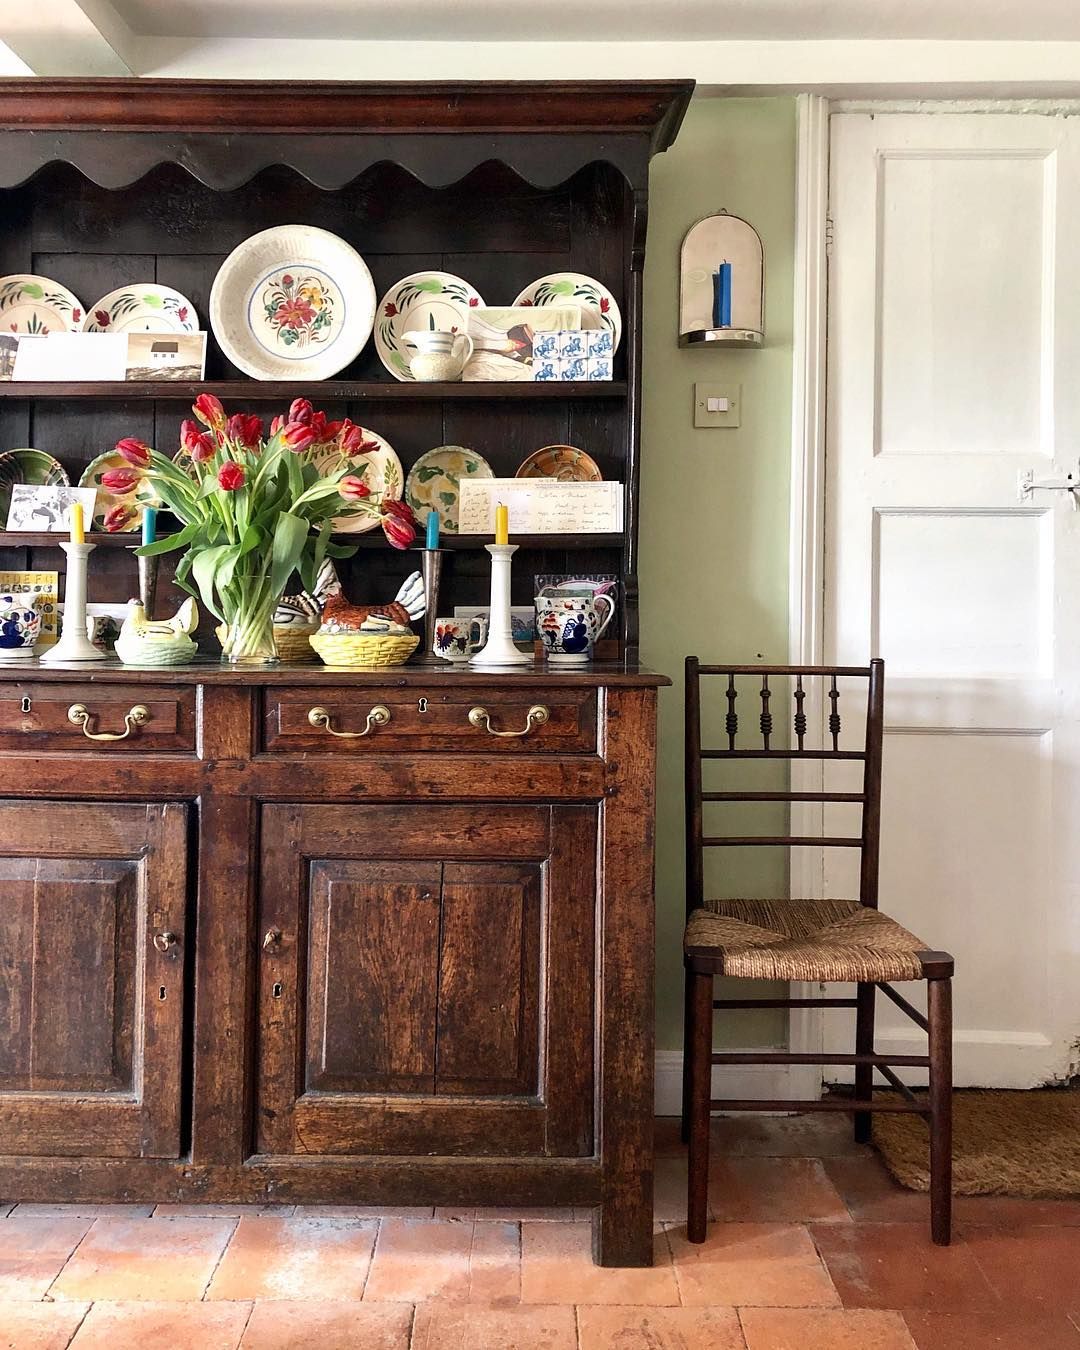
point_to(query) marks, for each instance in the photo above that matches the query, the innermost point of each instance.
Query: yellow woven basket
(291, 647)
(370, 651)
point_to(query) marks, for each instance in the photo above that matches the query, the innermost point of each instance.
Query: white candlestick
(74, 645)
(499, 650)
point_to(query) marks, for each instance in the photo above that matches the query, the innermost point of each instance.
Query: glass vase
(247, 635)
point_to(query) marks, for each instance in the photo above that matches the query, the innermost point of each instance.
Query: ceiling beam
(68, 37)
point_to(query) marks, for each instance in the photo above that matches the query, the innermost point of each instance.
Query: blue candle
(433, 529)
(722, 296)
(149, 524)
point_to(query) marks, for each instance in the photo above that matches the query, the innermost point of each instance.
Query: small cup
(569, 625)
(20, 626)
(454, 640)
(437, 355)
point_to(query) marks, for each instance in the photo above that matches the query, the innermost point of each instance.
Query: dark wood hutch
(243, 958)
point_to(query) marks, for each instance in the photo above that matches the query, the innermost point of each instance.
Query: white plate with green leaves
(437, 301)
(434, 482)
(38, 306)
(144, 307)
(575, 288)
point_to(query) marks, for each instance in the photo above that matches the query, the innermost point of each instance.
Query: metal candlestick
(74, 644)
(431, 562)
(148, 575)
(499, 651)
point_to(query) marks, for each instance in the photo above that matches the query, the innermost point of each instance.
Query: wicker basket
(291, 646)
(370, 651)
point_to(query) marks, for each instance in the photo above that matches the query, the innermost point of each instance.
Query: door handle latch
(1027, 485)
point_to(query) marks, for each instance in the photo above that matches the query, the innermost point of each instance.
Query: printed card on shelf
(44, 587)
(46, 509)
(541, 506)
(505, 339)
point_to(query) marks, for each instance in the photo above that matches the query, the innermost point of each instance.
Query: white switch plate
(717, 405)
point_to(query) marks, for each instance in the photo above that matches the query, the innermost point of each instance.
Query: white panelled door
(954, 370)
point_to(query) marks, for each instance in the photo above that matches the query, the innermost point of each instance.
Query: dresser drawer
(118, 718)
(358, 721)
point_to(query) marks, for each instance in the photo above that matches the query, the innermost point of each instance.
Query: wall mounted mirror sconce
(721, 283)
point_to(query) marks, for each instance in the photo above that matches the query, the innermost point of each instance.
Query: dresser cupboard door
(92, 904)
(426, 980)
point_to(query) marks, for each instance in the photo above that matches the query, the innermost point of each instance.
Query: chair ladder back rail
(799, 720)
(871, 812)
(765, 721)
(695, 876)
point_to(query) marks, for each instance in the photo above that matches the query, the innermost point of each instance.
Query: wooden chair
(828, 940)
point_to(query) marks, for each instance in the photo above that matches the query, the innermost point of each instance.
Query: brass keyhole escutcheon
(421, 705)
(24, 706)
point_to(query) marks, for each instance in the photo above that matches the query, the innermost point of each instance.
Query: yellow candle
(78, 533)
(502, 524)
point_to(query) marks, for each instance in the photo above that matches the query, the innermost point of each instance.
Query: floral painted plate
(37, 305)
(432, 300)
(28, 466)
(292, 302)
(561, 288)
(433, 481)
(564, 462)
(105, 500)
(144, 307)
(378, 465)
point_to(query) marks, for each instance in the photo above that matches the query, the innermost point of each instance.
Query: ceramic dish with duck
(38, 306)
(563, 288)
(376, 462)
(433, 300)
(28, 466)
(433, 482)
(106, 500)
(566, 463)
(292, 302)
(144, 307)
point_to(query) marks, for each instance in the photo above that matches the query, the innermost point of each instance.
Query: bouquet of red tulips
(255, 507)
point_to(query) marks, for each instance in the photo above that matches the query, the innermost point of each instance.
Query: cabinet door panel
(91, 1010)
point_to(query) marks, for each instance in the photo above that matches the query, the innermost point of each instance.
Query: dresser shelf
(326, 391)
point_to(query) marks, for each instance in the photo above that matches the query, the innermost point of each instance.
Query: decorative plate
(105, 500)
(143, 307)
(433, 481)
(292, 303)
(38, 305)
(435, 300)
(28, 466)
(378, 465)
(562, 288)
(564, 462)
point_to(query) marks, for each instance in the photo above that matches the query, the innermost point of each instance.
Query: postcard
(71, 356)
(541, 506)
(166, 356)
(46, 509)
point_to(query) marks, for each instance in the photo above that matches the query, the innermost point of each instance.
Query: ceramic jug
(437, 355)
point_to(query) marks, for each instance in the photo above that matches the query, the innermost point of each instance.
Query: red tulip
(119, 516)
(209, 411)
(231, 476)
(245, 429)
(300, 410)
(297, 436)
(353, 489)
(276, 424)
(332, 430)
(133, 452)
(350, 436)
(399, 524)
(119, 481)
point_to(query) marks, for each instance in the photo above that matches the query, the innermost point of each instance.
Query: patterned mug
(454, 638)
(20, 626)
(569, 625)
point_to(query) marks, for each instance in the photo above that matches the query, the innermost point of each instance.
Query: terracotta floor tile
(557, 1267)
(33, 1252)
(495, 1263)
(509, 1214)
(39, 1326)
(991, 1331)
(88, 1211)
(163, 1260)
(293, 1257)
(824, 1329)
(896, 1266)
(773, 1190)
(471, 1326)
(660, 1329)
(751, 1264)
(669, 1190)
(363, 1211)
(328, 1326)
(417, 1260)
(871, 1194)
(163, 1326)
(220, 1211)
(1032, 1268)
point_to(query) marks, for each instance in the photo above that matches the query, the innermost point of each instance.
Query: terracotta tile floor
(812, 1248)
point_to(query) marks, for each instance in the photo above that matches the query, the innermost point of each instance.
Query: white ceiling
(602, 20)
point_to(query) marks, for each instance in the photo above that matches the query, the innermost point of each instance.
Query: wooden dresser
(246, 958)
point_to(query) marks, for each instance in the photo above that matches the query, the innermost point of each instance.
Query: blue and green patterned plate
(433, 482)
(438, 301)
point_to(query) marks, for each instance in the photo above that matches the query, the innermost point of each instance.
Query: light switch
(717, 405)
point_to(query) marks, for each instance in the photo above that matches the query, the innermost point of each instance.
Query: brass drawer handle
(536, 717)
(163, 941)
(377, 717)
(79, 715)
(271, 939)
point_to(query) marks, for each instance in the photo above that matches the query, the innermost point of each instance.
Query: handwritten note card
(541, 506)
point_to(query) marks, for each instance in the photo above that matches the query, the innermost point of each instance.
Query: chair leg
(939, 1016)
(698, 1052)
(688, 1039)
(864, 1045)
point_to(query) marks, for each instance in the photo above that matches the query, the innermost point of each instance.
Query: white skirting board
(767, 1082)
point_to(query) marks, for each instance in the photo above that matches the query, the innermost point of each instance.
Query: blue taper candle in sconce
(149, 524)
(722, 296)
(432, 530)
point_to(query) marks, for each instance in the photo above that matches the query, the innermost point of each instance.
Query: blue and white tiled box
(600, 344)
(545, 348)
(572, 354)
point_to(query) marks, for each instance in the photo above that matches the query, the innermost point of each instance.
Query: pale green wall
(714, 520)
